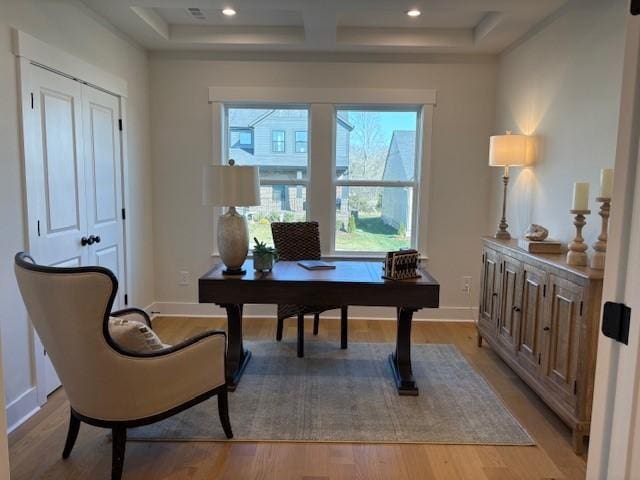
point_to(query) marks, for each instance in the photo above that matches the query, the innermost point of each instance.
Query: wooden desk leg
(237, 356)
(344, 327)
(400, 360)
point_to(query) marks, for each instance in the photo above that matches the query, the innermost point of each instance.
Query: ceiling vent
(196, 13)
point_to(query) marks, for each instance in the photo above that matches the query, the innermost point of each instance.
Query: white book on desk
(316, 265)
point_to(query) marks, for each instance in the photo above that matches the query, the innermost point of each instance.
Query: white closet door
(104, 183)
(73, 176)
(56, 179)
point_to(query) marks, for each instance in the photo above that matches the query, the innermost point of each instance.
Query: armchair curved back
(69, 309)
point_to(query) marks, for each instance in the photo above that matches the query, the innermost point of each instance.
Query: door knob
(97, 238)
(84, 241)
(546, 329)
(516, 308)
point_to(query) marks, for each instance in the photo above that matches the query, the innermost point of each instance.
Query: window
(375, 179)
(283, 177)
(241, 138)
(301, 141)
(366, 197)
(277, 141)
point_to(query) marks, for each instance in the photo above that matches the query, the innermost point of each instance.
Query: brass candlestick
(576, 255)
(598, 259)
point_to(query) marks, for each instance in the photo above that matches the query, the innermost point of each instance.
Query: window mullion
(321, 192)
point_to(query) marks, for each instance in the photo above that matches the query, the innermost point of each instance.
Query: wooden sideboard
(542, 318)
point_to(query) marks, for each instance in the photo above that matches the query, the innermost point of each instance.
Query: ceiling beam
(214, 35)
(320, 27)
(404, 37)
(155, 21)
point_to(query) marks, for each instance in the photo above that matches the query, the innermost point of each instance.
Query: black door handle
(84, 241)
(546, 329)
(97, 238)
(516, 308)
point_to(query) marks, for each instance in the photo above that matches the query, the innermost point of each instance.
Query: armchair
(107, 385)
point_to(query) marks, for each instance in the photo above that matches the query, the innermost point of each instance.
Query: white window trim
(414, 184)
(322, 103)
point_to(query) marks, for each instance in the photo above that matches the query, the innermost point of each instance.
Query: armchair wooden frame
(119, 428)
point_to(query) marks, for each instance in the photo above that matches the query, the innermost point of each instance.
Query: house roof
(250, 117)
(401, 157)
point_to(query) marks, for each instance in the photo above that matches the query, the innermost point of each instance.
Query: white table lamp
(231, 186)
(506, 151)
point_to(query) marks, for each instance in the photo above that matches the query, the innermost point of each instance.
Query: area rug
(334, 395)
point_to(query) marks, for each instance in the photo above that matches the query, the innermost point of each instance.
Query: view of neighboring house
(277, 140)
(399, 165)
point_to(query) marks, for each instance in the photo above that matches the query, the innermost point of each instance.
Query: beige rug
(335, 395)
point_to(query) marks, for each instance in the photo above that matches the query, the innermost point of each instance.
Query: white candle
(580, 196)
(606, 182)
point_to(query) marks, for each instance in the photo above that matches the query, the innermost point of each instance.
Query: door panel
(529, 347)
(61, 161)
(510, 299)
(104, 185)
(489, 300)
(561, 359)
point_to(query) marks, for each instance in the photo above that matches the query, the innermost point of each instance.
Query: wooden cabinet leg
(578, 441)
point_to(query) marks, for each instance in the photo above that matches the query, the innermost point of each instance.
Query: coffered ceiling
(443, 26)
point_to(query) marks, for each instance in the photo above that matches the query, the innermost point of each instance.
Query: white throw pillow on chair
(134, 336)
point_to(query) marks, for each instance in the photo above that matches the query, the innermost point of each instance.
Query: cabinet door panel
(488, 300)
(529, 347)
(561, 359)
(510, 298)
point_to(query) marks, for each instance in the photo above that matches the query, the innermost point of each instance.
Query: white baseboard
(186, 309)
(22, 408)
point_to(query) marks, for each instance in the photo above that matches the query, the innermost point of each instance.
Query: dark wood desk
(351, 283)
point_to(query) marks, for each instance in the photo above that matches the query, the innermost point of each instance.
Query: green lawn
(371, 235)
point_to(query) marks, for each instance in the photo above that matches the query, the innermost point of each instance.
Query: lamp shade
(230, 186)
(507, 150)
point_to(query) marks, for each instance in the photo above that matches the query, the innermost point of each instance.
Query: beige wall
(562, 84)
(71, 28)
(182, 143)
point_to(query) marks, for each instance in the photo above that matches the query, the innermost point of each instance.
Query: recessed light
(229, 12)
(414, 12)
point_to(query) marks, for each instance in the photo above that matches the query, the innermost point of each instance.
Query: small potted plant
(263, 256)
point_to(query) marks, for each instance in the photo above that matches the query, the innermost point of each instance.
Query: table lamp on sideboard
(231, 186)
(506, 151)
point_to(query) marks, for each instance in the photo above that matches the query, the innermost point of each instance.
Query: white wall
(76, 30)
(182, 142)
(562, 84)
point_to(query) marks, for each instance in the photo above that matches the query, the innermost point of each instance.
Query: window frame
(320, 103)
(284, 141)
(414, 184)
(296, 182)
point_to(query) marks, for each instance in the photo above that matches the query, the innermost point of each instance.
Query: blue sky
(390, 121)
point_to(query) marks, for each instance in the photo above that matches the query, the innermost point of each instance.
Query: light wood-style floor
(36, 446)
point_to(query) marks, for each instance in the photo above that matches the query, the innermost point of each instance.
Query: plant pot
(263, 262)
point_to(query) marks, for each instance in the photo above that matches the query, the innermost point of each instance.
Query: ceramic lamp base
(233, 241)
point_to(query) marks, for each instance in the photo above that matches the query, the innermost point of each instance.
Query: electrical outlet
(466, 284)
(184, 278)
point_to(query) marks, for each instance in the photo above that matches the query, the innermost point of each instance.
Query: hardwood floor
(35, 448)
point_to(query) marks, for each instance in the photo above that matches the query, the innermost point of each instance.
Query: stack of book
(401, 264)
